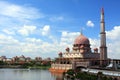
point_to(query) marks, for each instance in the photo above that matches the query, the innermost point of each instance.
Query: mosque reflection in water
(58, 76)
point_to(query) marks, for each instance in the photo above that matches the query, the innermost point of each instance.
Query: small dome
(67, 49)
(81, 39)
(60, 53)
(96, 49)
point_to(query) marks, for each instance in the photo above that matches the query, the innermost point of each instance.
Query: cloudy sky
(46, 27)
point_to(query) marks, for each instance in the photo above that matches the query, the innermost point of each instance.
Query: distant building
(3, 58)
(20, 60)
(38, 59)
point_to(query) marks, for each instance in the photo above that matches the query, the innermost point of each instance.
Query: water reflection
(25, 74)
(59, 76)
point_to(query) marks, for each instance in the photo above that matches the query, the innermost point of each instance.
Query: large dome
(81, 39)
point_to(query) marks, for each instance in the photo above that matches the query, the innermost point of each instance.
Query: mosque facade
(81, 54)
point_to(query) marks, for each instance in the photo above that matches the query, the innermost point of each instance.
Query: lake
(26, 74)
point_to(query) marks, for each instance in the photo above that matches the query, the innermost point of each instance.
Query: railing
(105, 72)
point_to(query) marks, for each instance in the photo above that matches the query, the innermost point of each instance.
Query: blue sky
(46, 27)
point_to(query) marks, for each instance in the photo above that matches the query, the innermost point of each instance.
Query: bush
(70, 72)
(2, 63)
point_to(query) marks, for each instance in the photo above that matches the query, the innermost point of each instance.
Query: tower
(103, 48)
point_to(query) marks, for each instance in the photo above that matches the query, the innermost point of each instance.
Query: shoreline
(22, 67)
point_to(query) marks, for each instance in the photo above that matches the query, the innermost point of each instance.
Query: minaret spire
(102, 10)
(102, 15)
(103, 48)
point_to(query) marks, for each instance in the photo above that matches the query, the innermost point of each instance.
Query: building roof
(81, 39)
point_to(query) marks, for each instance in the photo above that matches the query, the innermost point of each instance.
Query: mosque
(81, 54)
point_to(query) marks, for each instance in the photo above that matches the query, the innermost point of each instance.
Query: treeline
(35, 64)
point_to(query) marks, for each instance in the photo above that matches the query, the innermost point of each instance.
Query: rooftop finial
(81, 31)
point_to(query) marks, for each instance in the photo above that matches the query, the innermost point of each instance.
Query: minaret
(103, 48)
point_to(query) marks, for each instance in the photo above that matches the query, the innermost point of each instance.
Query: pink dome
(81, 39)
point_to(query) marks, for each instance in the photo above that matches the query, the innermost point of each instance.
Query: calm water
(25, 74)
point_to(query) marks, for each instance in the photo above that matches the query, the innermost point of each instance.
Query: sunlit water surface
(26, 74)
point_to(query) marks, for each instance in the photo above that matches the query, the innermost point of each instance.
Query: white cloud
(67, 39)
(45, 30)
(7, 40)
(90, 24)
(59, 18)
(113, 41)
(8, 32)
(114, 33)
(114, 50)
(64, 33)
(33, 40)
(95, 43)
(31, 47)
(26, 30)
(69, 34)
(12, 15)
(20, 12)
